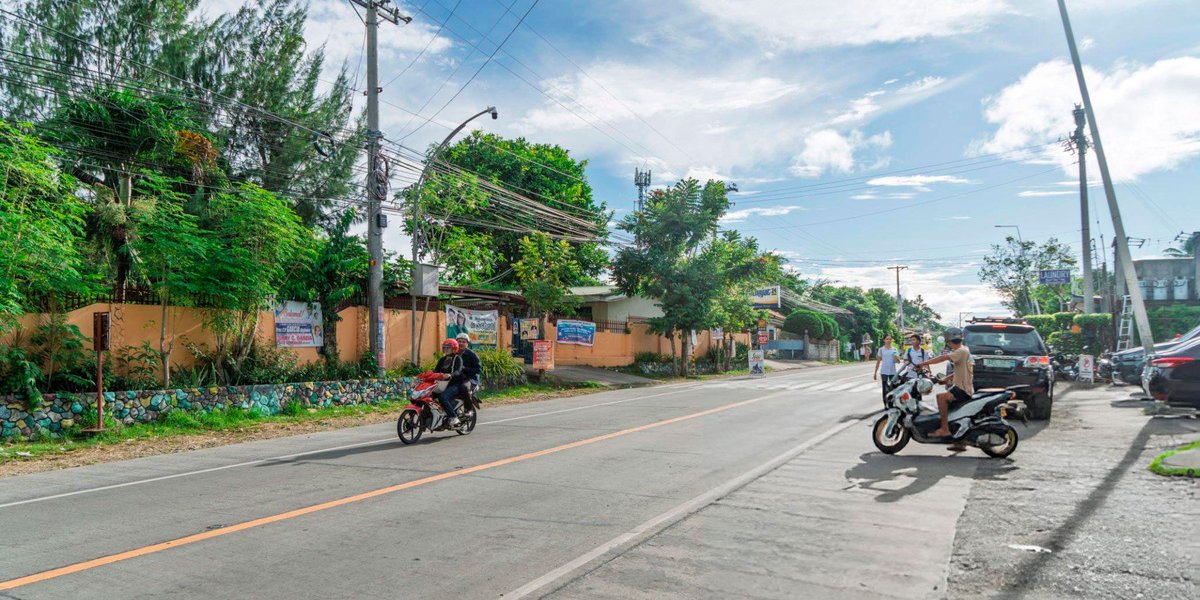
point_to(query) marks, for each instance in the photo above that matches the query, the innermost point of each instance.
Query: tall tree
(544, 273)
(1012, 269)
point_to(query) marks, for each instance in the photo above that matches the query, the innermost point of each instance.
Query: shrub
(1064, 320)
(499, 368)
(829, 327)
(1045, 324)
(803, 320)
(653, 358)
(1066, 341)
(1167, 321)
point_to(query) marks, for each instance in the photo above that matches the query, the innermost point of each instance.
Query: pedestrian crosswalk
(839, 386)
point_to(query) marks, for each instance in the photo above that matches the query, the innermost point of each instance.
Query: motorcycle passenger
(450, 365)
(962, 380)
(472, 368)
(916, 354)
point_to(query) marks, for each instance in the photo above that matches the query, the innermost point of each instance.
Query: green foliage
(139, 365)
(651, 358)
(1066, 341)
(803, 321)
(41, 220)
(1167, 321)
(59, 347)
(1064, 320)
(544, 272)
(1012, 270)
(336, 274)
(1093, 321)
(1045, 324)
(499, 367)
(20, 375)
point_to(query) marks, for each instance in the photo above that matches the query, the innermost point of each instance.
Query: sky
(861, 134)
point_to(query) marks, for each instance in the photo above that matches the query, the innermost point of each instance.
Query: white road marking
(683, 387)
(653, 526)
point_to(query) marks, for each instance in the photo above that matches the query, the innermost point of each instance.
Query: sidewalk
(605, 377)
(839, 521)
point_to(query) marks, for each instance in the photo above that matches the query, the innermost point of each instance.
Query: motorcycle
(1104, 367)
(980, 421)
(424, 412)
(1066, 367)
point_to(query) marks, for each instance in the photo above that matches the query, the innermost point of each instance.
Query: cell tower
(642, 180)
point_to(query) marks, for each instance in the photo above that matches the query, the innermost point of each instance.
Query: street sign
(769, 297)
(1087, 368)
(1054, 276)
(543, 355)
(762, 337)
(758, 363)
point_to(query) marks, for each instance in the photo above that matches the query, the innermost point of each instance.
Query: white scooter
(979, 421)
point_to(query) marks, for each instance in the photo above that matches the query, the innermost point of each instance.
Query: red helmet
(450, 342)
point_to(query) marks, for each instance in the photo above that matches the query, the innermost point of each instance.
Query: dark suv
(1010, 352)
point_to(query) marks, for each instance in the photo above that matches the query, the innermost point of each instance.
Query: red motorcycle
(424, 412)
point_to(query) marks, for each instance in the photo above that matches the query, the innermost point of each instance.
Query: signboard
(482, 325)
(530, 329)
(762, 337)
(1087, 368)
(1054, 276)
(543, 355)
(765, 297)
(718, 334)
(298, 325)
(758, 363)
(580, 333)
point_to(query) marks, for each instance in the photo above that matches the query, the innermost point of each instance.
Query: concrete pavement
(353, 513)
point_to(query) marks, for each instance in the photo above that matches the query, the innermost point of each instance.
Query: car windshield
(1023, 343)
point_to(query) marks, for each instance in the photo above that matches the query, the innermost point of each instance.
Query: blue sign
(580, 333)
(1054, 276)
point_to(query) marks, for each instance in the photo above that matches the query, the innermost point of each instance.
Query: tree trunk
(164, 350)
(674, 356)
(686, 343)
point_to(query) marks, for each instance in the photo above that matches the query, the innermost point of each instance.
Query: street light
(416, 207)
(1024, 279)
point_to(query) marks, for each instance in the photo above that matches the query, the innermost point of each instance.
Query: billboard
(482, 325)
(530, 329)
(768, 297)
(298, 325)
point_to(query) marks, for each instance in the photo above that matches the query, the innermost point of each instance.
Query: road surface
(765, 488)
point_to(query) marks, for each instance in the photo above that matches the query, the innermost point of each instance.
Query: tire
(1010, 445)
(468, 422)
(409, 427)
(1040, 407)
(888, 445)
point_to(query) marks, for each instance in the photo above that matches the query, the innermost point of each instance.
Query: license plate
(998, 363)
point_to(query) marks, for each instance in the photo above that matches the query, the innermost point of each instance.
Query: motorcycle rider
(450, 365)
(472, 367)
(962, 380)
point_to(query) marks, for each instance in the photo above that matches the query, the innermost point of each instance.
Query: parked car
(1009, 352)
(1174, 376)
(1128, 365)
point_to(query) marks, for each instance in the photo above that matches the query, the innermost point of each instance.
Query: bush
(500, 369)
(1167, 321)
(1045, 324)
(1066, 341)
(1064, 320)
(829, 327)
(804, 320)
(652, 358)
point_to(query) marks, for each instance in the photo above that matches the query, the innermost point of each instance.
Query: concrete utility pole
(899, 300)
(1080, 144)
(377, 178)
(641, 179)
(1122, 242)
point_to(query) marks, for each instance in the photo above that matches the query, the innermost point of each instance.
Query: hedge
(804, 321)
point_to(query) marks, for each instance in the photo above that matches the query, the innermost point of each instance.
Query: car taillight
(1172, 362)
(1037, 361)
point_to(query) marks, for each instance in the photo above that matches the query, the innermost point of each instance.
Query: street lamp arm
(446, 142)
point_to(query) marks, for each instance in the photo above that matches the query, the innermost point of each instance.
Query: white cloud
(914, 180)
(956, 218)
(1086, 43)
(877, 102)
(828, 150)
(943, 288)
(922, 85)
(1040, 193)
(762, 211)
(1149, 115)
(865, 196)
(811, 25)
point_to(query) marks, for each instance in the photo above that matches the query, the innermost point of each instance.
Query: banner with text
(482, 325)
(766, 297)
(580, 333)
(298, 325)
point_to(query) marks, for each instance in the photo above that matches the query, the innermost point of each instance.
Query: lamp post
(416, 212)
(1024, 279)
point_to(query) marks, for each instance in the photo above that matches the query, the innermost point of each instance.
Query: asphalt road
(750, 488)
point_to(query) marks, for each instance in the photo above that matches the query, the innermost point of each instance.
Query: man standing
(916, 353)
(962, 385)
(885, 364)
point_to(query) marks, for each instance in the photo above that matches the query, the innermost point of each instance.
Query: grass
(530, 389)
(1157, 466)
(180, 422)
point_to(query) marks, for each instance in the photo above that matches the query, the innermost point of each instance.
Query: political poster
(530, 329)
(718, 334)
(579, 333)
(758, 363)
(543, 355)
(298, 325)
(482, 325)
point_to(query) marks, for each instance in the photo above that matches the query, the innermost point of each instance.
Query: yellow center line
(197, 537)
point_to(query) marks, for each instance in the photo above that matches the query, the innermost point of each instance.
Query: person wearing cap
(450, 365)
(962, 385)
(472, 367)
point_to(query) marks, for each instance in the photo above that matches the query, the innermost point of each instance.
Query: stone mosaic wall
(64, 410)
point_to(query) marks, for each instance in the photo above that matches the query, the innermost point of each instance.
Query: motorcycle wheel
(468, 423)
(408, 426)
(1003, 450)
(889, 445)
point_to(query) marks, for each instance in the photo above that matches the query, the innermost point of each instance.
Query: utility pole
(899, 300)
(1123, 258)
(377, 176)
(1080, 144)
(642, 180)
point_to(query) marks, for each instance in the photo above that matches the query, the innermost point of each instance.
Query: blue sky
(861, 133)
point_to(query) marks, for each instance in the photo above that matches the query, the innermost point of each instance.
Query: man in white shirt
(885, 364)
